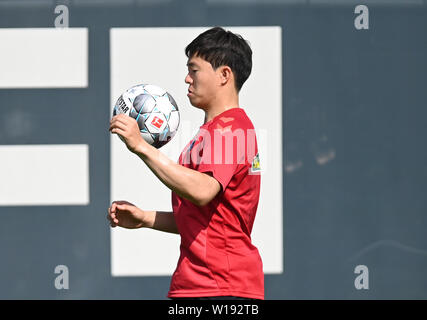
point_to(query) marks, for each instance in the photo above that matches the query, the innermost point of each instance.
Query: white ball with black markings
(155, 111)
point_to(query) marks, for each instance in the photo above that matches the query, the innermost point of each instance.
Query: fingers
(122, 207)
(117, 127)
(118, 211)
(114, 222)
(123, 127)
(121, 121)
(120, 118)
(117, 205)
(111, 216)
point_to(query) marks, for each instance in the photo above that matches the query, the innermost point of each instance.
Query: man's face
(203, 82)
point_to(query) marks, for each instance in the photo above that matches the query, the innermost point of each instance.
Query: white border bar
(44, 58)
(44, 175)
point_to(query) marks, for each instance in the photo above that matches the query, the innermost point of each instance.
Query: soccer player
(215, 184)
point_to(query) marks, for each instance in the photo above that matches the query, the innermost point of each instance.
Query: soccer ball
(155, 111)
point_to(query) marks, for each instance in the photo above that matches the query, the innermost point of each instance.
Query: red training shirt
(217, 256)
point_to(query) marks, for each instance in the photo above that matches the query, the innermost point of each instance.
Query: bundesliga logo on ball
(155, 111)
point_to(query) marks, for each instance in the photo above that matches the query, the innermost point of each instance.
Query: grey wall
(358, 95)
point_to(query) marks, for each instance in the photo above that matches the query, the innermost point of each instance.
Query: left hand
(128, 129)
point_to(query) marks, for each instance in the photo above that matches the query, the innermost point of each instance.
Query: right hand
(125, 214)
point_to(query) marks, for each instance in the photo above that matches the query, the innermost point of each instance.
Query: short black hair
(223, 48)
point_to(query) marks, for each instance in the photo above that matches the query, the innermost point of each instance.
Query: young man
(216, 184)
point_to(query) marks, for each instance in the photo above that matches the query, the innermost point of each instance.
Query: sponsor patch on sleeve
(256, 167)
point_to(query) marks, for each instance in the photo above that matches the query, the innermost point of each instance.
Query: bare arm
(126, 215)
(192, 185)
(162, 221)
(197, 187)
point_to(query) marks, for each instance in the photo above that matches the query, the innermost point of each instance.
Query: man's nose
(188, 79)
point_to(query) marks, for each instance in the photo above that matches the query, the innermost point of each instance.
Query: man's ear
(225, 74)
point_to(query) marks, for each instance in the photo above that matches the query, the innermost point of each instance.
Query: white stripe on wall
(44, 58)
(44, 175)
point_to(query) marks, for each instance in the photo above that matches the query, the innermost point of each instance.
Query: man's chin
(195, 103)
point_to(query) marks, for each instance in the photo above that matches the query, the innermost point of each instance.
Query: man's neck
(218, 107)
(210, 114)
